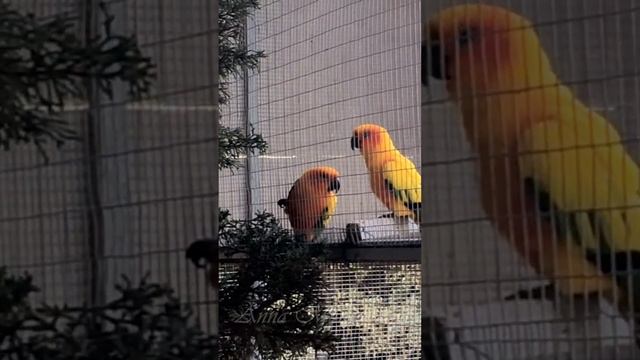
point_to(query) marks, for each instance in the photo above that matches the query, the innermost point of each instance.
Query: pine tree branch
(234, 58)
(146, 320)
(44, 64)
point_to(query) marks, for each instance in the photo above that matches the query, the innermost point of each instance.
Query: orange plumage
(497, 72)
(394, 179)
(312, 201)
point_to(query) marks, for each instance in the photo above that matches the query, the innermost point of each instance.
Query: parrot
(555, 178)
(312, 201)
(393, 178)
(203, 254)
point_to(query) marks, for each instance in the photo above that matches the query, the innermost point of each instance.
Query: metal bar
(251, 101)
(247, 124)
(94, 215)
(212, 40)
(424, 169)
(114, 173)
(337, 254)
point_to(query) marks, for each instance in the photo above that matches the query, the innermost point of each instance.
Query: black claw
(546, 292)
(386, 216)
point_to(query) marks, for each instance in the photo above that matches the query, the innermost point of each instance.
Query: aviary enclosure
(142, 183)
(512, 167)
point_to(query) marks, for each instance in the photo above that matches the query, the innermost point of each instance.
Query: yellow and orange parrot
(312, 201)
(393, 178)
(555, 179)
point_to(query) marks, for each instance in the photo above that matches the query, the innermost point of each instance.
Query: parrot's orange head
(371, 138)
(324, 177)
(479, 48)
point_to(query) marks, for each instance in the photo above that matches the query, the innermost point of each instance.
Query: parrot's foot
(316, 249)
(546, 292)
(403, 220)
(386, 216)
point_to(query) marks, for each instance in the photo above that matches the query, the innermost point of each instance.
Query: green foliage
(270, 304)
(235, 143)
(13, 294)
(144, 321)
(44, 63)
(234, 58)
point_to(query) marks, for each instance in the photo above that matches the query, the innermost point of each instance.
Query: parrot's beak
(424, 68)
(335, 185)
(435, 64)
(354, 142)
(282, 203)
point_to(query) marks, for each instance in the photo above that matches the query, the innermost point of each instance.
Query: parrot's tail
(629, 280)
(634, 315)
(416, 210)
(630, 263)
(636, 331)
(636, 307)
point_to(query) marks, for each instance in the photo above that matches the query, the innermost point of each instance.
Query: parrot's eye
(365, 135)
(465, 36)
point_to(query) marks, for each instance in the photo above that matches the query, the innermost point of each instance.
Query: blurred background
(140, 186)
(593, 47)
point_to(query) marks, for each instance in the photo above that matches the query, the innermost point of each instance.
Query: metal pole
(426, 339)
(435, 345)
(94, 216)
(251, 102)
(247, 124)
(114, 178)
(213, 54)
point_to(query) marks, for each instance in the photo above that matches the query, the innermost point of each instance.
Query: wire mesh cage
(331, 67)
(43, 234)
(139, 184)
(513, 162)
(375, 310)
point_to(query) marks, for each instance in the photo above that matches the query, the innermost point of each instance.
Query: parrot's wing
(586, 185)
(284, 203)
(323, 219)
(327, 212)
(404, 183)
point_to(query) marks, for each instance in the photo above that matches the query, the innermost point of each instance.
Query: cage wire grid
(40, 206)
(329, 67)
(154, 176)
(467, 266)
